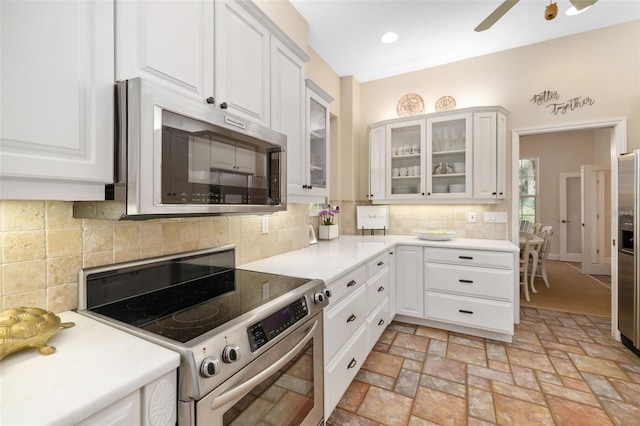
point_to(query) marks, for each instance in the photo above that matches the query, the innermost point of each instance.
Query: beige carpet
(570, 291)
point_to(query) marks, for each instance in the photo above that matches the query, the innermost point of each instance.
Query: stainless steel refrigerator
(628, 259)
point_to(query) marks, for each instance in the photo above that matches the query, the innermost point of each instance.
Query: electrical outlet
(265, 224)
(472, 217)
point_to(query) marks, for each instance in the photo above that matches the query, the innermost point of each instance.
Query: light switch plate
(265, 224)
(495, 217)
(472, 217)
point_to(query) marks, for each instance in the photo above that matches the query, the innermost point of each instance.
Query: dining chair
(533, 254)
(525, 225)
(524, 265)
(536, 228)
(543, 252)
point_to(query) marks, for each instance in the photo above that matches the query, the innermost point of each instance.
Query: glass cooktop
(182, 302)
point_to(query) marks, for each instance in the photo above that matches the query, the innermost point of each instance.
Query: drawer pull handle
(380, 263)
(380, 289)
(351, 283)
(381, 321)
(464, 311)
(352, 318)
(466, 281)
(466, 257)
(352, 363)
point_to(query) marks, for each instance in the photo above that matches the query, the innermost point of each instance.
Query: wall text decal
(547, 96)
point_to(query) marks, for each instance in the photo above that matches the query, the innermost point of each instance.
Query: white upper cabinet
(406, 146)
(454, 156)
(287, 106)
(449, 160)
(377, 166)
(242, 63)
(56, 99)
(308, 163)
(168, 42)
(489, 147)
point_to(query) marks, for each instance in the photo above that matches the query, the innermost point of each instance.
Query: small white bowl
(459, 167)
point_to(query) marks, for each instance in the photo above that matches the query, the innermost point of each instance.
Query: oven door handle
(245, 387)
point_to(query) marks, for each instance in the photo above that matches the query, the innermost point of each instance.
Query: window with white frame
(528, 185)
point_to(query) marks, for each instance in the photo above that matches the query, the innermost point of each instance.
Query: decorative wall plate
(409, 105)
(445, 103)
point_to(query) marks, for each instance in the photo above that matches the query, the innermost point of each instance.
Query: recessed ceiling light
(573, 11)
(389, 37)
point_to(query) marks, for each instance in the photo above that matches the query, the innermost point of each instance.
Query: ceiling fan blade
(495, 15)
(581, 4)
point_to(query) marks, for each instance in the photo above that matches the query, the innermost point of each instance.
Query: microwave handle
(245, 387)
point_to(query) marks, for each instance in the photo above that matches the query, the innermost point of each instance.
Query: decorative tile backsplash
(43, 247)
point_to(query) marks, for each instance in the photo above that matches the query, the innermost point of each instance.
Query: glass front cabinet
(449, 157)
(433, 158)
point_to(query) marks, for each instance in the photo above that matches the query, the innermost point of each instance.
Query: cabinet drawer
(347, 283)
(468, 280)
(379, 263)
(340, 373)
(342, 320)
(490, 315)
(377, 290)
(377, 323)
(486, 258)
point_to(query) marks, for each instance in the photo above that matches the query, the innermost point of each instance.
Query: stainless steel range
(250, 343)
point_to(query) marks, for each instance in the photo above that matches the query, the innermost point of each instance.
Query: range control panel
(270, 327)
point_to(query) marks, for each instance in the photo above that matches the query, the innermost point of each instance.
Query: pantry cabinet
(56, 126)
(453, 156)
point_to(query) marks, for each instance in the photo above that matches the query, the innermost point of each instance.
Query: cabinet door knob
(211, 100)
(380, 289)
(351, 283)
(381, 321)
(380, 263)
(494, 193)
(464, 311)
(224, 105)
(352, 363)
(352, 318)
(428, 193)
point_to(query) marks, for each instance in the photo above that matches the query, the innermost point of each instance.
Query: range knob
(210, 367)
(231, 354)
(319, 297)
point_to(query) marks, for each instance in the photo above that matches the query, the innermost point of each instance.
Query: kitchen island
(97, 375)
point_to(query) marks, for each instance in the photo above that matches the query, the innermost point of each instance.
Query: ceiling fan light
(572, 11)
(389, 37)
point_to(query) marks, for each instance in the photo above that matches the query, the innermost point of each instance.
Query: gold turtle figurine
(24, 327)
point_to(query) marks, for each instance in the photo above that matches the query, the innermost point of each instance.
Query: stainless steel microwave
(176, 156)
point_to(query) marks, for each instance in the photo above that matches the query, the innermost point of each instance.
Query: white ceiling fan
(550, 12)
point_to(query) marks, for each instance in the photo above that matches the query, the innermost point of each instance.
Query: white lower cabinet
(409, 281)
(471, 289)
(341, 371)
(492, 315)
(357, 314)
(343, 320)
(155, 404)
(377, 322)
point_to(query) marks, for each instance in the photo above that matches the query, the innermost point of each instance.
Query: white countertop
(94, 365)
(327, 260)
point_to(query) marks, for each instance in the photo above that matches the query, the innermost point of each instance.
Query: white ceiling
(346, 33)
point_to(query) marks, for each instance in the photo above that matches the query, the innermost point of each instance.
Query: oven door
(283, 386)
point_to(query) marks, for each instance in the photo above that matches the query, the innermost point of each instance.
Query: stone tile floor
(560, 369)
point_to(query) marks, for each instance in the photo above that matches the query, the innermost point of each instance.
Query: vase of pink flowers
(328, 230)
